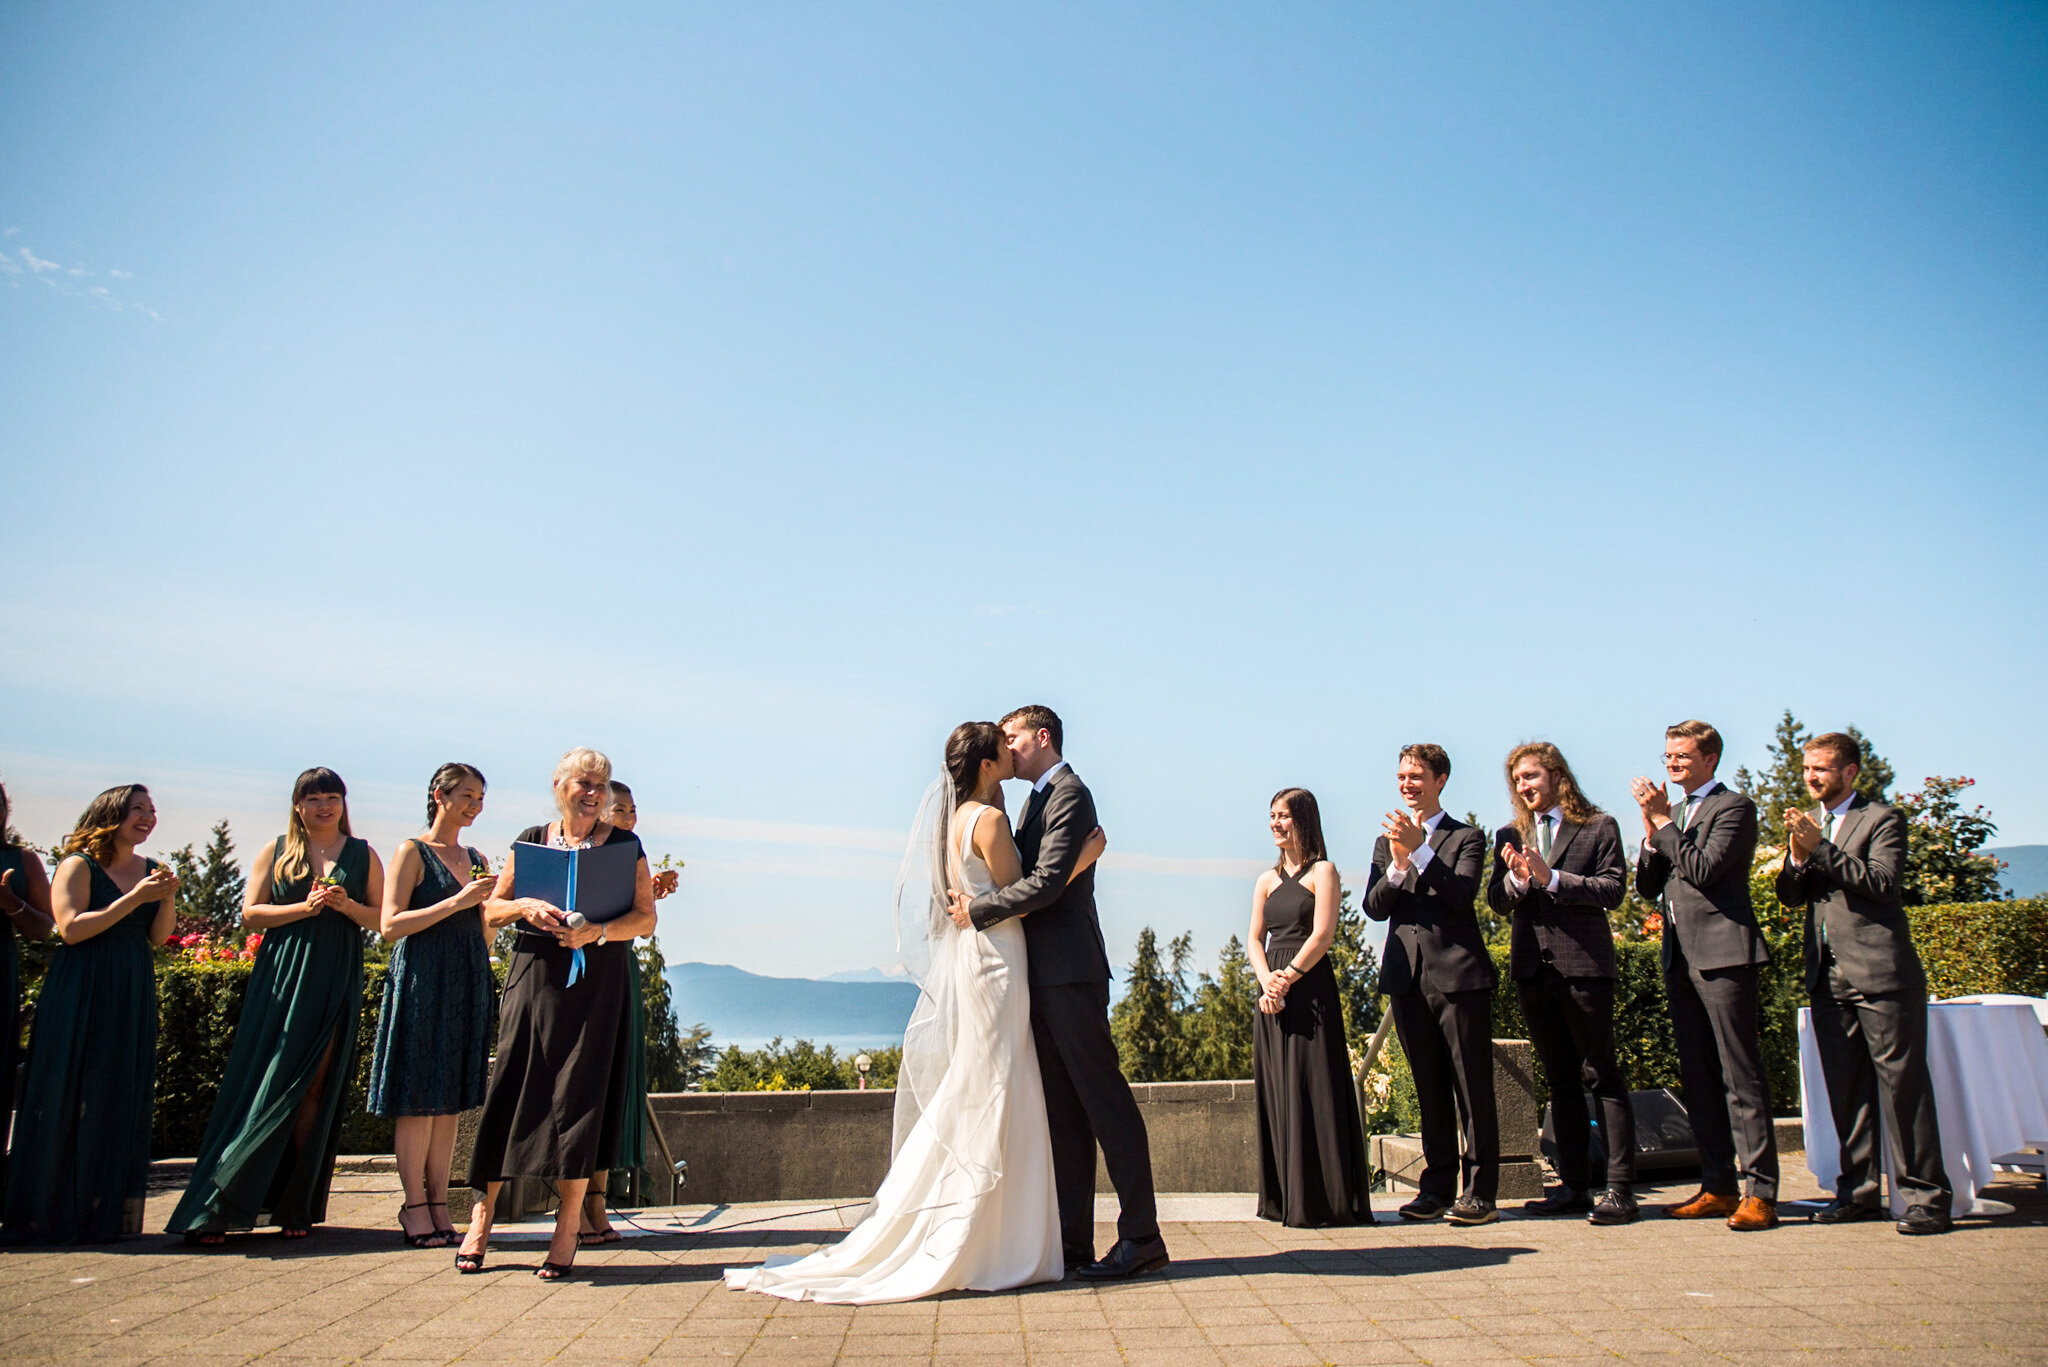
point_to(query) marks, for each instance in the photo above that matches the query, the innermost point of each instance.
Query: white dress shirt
(1046, 777)
(1555, 816)
(1420, 860)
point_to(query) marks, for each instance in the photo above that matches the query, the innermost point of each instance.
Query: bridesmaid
(632, 1119)
(559, 1079)
(434, 1034)
(1312, 1167)
(25, 899)
(268, 1155)
(80, 1167)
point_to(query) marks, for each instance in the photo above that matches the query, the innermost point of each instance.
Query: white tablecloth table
(1989, 1064)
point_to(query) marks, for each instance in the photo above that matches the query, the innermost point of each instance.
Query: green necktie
(1827, 832)
(1679, 815)
(1543, 836)
(1827, 827)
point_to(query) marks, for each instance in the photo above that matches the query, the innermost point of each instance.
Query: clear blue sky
(755, 391)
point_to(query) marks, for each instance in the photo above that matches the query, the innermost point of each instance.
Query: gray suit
(1869, 995)
(1712, 949)
(1088, 1101)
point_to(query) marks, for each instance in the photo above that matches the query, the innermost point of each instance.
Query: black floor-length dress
(1312, 1164)
(559, 1080)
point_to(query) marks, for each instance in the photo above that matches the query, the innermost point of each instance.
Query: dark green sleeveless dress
(12, 858)
(80, 1166)
(433, 1050)
(304, 998)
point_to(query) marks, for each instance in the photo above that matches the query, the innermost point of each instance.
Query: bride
(968, 1202)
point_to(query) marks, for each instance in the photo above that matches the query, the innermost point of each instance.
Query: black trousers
(1448, 1038)
(1873, 1054)
(1571, 1026)
(1088, 1102)
(1719, 1033)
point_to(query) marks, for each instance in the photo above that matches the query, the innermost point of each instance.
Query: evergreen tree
(1146, 1023)
(210, 887)
(667, 1067)
(1358, 972)
(1944, 843)
(1220, 1019)
(700, 1056)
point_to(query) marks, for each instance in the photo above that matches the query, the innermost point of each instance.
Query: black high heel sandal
(553, 1272)
(446, 1232)
(472, 1262)
(431, 1239)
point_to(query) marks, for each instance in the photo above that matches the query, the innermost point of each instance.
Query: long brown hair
(1570, 796)
(970, 744)
(93, 835)
(1308, 824)
(317, 781)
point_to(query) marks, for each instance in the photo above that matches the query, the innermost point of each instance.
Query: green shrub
(1972, 947)
(799, 1067)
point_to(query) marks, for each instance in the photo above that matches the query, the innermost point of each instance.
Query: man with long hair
(1559, 873)
(1695, 859)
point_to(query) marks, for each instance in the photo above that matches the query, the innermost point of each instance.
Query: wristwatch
(604, 935)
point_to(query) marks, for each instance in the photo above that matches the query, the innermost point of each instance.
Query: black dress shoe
(1129, 1258)
(1472, 1210)
(1616, 1206)
(1563, 1201)
(1840, 1212)
(1925, 1220)
(1424, 1207)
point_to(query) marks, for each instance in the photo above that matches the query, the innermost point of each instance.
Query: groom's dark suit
(1087, 1100)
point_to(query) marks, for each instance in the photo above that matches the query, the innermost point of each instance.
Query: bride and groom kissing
(1009, 1077)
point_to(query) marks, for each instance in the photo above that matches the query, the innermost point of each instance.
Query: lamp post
(861, 1064)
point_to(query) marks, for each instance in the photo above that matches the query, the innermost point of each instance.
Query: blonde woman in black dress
(558, 1082)
(1312, 1167)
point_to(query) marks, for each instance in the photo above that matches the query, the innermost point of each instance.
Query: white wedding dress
(968, 1202)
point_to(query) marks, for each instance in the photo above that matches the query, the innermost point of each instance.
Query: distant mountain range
(861, 1009)
(2026, 871)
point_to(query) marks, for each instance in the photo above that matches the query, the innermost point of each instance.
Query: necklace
(561, 841)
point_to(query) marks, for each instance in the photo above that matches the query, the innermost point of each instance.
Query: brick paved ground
(1240, 1292)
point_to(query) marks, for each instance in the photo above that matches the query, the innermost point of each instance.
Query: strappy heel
(472, 1262)
(431, 1239)
(553, 1272)
(446, 1232)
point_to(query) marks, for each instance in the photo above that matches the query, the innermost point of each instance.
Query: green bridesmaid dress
(12, 859)
(304, 999)
(80, 1166)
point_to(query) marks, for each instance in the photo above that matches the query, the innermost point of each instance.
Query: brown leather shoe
(1754, 1213)
(1706, 1205)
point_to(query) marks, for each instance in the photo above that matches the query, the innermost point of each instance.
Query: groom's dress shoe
(1130, 1258)
(1077, 1258)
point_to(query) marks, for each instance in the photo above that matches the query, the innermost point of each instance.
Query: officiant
(552, 1109)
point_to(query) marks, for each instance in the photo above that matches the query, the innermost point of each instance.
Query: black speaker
(1663, 1133)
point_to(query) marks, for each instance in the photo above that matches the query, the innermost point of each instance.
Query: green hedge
(1972, 947)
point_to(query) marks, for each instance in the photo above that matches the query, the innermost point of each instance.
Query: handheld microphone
(576, 920)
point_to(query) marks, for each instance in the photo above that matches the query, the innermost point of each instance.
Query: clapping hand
(1805, 834)
(1404, 836)
(1654, 802)
(1535, 870)
(1511, 855)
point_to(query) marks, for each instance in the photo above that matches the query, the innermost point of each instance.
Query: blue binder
(598, 882)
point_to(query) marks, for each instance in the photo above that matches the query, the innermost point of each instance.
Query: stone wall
(834, 1146)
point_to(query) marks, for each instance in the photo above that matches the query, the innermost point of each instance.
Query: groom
(1087, 1100)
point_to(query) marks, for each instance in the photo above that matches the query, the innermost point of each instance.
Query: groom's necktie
(1034, 808)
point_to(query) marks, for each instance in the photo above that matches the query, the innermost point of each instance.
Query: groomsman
(1868, 990)
(1439, 982)
(1695, 859)
(1560, 871)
